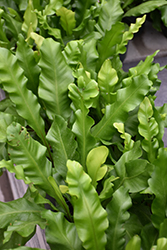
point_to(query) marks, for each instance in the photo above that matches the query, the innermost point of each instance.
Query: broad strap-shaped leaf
(89, 216)
(95, 159)
(145, 7)
(148, 128)
(26, 59)
(31, 155)
(110, 13)
(81, 129)
(134, 243)
(107, 46)
(157, 184)
(117, 215)
(67, 19)
(14, 82)
(30, 215)
(126, 100)
(107, 79)
(63, 144)
(60, 233)
(55, 77)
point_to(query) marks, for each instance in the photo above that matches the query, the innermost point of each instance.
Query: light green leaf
(161, 244)
(95, 159)
(128, 35)
(86, 91)
(145, 7)
(81, 129)
(117, 215)
(61, 234)
(89, 217)
(107, 79)
(126, 100)
(30, 19)
(148, 128)
(134, 243)
(110, 13)
(63, 144)
(25, 56)
(157, 184)
(37, 38)
(55, 77)
(52, 6)
(67, 19)
(72, 52)
(14, 82)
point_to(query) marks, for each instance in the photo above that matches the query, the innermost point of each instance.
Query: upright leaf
(148, 128)
(107, 79)
(107, 46)
(30, 19)
(63, 144)
(61, 234)
(157, 184)
(67, 19)
(126, 100)
(14, 82)
(55, 77)
(89, 217)
(82, 6)
(25, 56)
(110, 13)
(117, 215)
(81, 129)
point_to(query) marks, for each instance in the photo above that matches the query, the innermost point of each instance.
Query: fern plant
(75, 127)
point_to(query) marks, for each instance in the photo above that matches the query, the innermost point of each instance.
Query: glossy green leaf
(81, 129)
(161, 244)
(61, 234)
(10, 216)
(148, 128)
(163, 229)
(134, 243)
(82, 7)
(144, 8)
(72, 52)
(157, 184)
(89, 217)
(107, 46)
(25, 151)
(126, 100)
(163, 10)
(55, 77)
(110, 13)
(67, 19)
(25, 56)
(107, 190)
(14, 82)
(137, 175)
(95, 159)
(117, 215)
(149, 236)
(120, 166)
(107, 79)
(63, 144)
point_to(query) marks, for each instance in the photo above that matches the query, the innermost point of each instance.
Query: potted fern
(77, 128)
